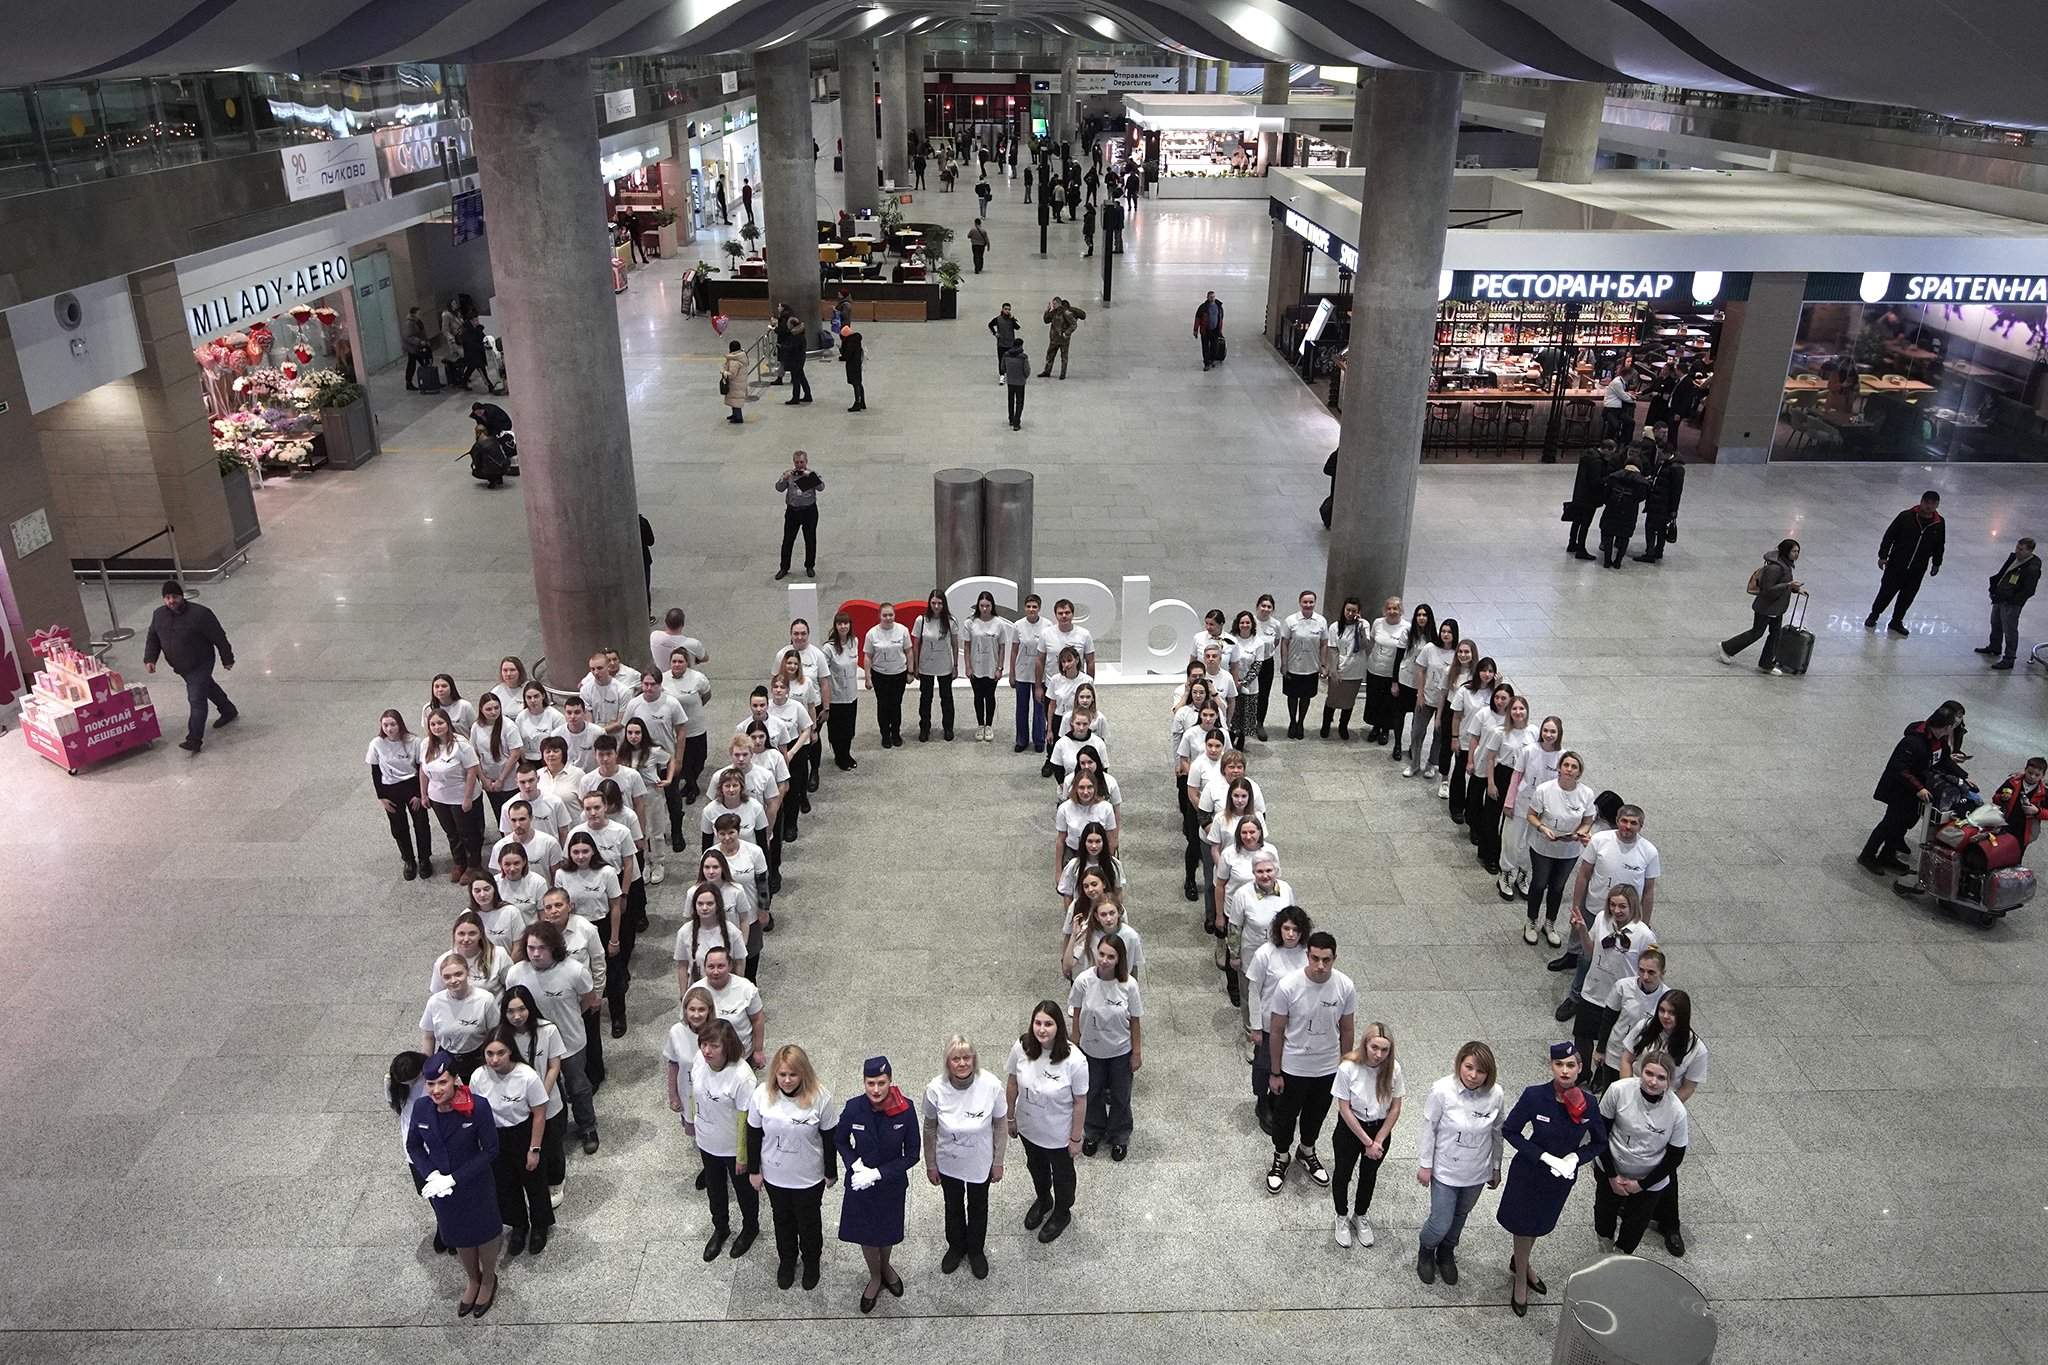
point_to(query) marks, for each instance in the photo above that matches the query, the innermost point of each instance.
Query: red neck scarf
(1572, 1098)
(892, 1103)
(464, 1103)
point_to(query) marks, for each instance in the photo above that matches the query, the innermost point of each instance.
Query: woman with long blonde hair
(792, 1153)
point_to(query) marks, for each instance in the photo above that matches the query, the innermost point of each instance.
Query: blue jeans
(200, 688)
(1032, 724)
(1448, 1207)
(2005, 628)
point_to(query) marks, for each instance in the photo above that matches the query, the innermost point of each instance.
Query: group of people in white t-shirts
(585, 788)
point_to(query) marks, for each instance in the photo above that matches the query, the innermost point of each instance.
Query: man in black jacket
(188, 635)
(1003, 327)
(850, 355)
(1911, 550)
(2011, 586)
(1918, 759)
(1589, 491)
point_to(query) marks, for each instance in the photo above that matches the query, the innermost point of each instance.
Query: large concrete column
(789, 176)
(1187, 75)
(1202, 65)
(857, 122)
(1409, 155)
(536, 142)
(38, 589)
(1067, 126)
(1757, 337)
(1223, 78)
(895, 121)
(1276, 84)
(1571, 132)
(913, 86)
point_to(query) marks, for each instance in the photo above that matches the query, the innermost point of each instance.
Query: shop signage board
(1097, 83)
(618, 104)
(417, 147)
(728, 82)
(1322, 239)
(1131, 79)
(317, 168)
(264, 291)
(1879, 286)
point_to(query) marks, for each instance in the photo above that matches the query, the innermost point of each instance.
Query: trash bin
(1623, 1310)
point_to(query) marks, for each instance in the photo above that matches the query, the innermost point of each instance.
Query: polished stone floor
(212, 958)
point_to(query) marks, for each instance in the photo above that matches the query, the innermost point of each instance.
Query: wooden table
(1512, 395)
(828, 253)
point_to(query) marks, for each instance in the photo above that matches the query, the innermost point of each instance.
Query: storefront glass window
(21, 151)
(1917, 382)
(72, 133)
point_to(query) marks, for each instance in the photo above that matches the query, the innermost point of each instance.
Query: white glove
(437, 1185)
(1565, 1166)
(863, 1175)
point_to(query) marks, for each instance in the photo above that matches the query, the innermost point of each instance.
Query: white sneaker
(1342, 1231)
(1723, 657)
(1443, 790)
(1529, 932)
(554, 1196)
(1556, 939)
(1408, 771)
(1775, 672)
(1430, 774)
(1521, 883)
(655, 873)
(1362, 1229)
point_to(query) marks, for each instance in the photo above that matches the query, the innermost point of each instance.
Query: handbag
(1672, 532)
(724, 388)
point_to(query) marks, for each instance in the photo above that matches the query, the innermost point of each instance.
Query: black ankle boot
(1343, 726)
(1328, 715)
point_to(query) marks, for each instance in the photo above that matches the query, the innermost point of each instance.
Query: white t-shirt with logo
(513, 1096)
(397, 760)
(739, 1004)
(1613, 861)
(1358, 1085)
(792, 1136)
(1314, 1010)
(966, 1117)
(559, 992)
(460, 1025)
(1047, 1092)
(446, 770)
(1107, 1007)
(1638, 1133)
(721, 1100)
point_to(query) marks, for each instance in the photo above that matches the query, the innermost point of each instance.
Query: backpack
(1756, 580)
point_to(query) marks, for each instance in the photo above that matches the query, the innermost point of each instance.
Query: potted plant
(344, 414)
(947, 273)
(751, 234)
(936, 236)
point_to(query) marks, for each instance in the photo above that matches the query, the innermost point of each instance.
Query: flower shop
(284, 405)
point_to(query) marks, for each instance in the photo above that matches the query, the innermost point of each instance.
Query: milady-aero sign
(265, 293)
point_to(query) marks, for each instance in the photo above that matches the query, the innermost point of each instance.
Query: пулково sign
(329, 167)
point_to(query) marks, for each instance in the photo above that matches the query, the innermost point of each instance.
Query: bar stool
(1578, 420)
(1440, 423)
(1518, 415)
(1486, 422)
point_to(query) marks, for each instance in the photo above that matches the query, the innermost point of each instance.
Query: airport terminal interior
(1476, 270)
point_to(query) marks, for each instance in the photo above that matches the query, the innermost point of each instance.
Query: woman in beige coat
(732, 381)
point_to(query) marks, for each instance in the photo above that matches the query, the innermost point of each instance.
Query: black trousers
(1622, 1216)
(465, 831)
(1190, 828)
(979, 253)
(1489, 822)
(593, 1048)
(1303, 1100)
(799, 1223)
(1351, 1155)
(1902, 583)
(1209, 348)
(984, 699)
(200, 688)
(860, 391)
(1459, 787)
(889, 702)
(1265, 689)
(414, 846)
(966, 1215)
(1016, 404)
(719, 1175)
(1548, 878)
(1890, 835)
(415, 361)
(618, 967)
(926, 683)
(1582, 522)
(839, 724)
(696, 748)
(1762, 627)
(799, 384)
(678, 814)
(522, 1194)
(1475, 804)
(1052, 1175)
(803, 519)
(1656, 531)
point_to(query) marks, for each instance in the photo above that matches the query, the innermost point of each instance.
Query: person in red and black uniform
(1911, 550)
(1919, 760)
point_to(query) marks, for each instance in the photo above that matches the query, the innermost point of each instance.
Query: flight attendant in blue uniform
(1551, 1123)
(451, 1133)
(879, 1145)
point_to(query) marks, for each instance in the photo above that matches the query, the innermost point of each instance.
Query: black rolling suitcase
(428, 380)
(1795, 641)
